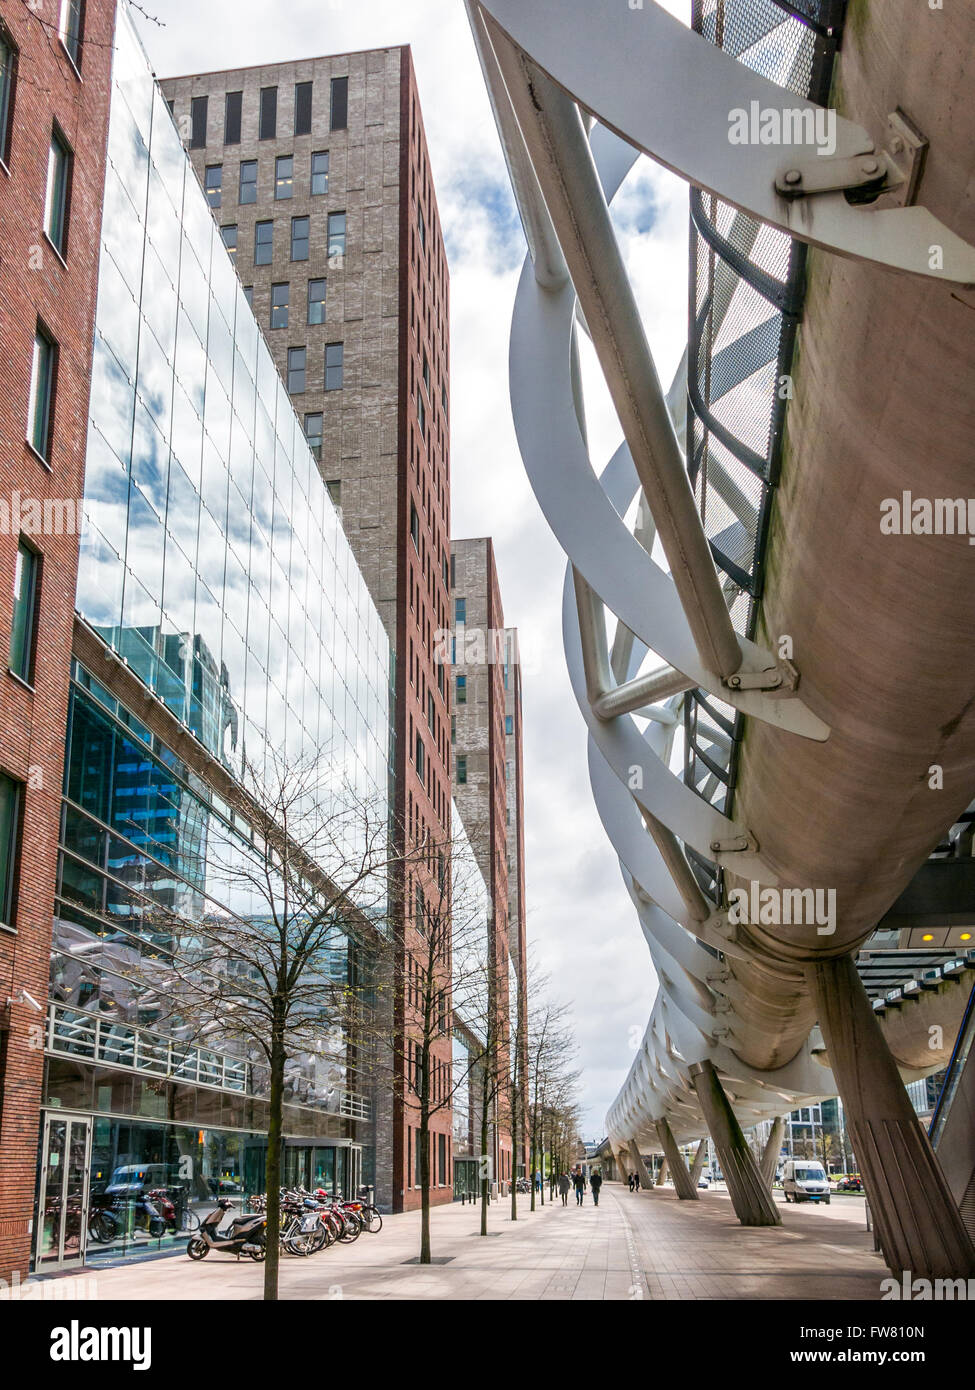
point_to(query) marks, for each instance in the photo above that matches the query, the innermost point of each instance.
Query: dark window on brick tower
(340, 103)
(263, 242)
(247, 192)
(24, 624)
(280, 299)
(198, 123)
(267, 127)
(231, 117)
(9, 834)
(8, 71)
(334, 366)
(72, 28)
(302, 108)
(41, 405)
(296, 370)
(57, 203)
(300, 228)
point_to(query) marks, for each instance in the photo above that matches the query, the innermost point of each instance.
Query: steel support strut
(917, 1220)
(750, 1197)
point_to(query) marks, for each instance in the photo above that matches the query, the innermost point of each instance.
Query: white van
(804, 1180)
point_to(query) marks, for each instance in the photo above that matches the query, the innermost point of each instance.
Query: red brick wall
(34, 283)
(422, 805)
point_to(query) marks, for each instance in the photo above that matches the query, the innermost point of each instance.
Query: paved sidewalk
(645, 1245)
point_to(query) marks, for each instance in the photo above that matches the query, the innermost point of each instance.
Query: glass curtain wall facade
(214, 563)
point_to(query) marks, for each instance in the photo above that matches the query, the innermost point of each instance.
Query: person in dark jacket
(579, 1183)
(596, 1182)
(564, 1185)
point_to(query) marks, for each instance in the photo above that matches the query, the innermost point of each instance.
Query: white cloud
(580, 916)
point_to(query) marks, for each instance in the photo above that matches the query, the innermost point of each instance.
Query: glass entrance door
(63, 1197)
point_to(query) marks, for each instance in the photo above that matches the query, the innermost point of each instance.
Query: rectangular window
(198, 123)
(213, 184)
(299, 238)
(41, 406)
(296, 370)
(9, 825)
(421, 416)
(284, 176)
(232, 105)
(267, 127)
(319, 173)
(509, 723)
(249, 295)
(334, 490)
(263, 242)
(421, 757)
(422, 227)
(461, 770)
(22, 627)
(336, 235)
(302, 108)
(426, 374)
(229, 234)
(340, 103)
(442, 1152)
(58, 187)
(313, 433)
(415, 526)
(462, 690)
(8, 68)
(334, 366)
(280, 298)
(247, 192)
(431, 710)
(316, 301)
(72, 23)
(421, 905)
(460, 610)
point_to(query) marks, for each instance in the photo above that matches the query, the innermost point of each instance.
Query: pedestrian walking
(596, 1182)
(579, 1183)
(564, 1185)
(629, 1181)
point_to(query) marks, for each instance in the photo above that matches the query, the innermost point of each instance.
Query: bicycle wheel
(102, 1227)
(189, 1221)
(353, 1229)
(375, 1222)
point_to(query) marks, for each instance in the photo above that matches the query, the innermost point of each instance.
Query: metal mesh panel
(745, 299)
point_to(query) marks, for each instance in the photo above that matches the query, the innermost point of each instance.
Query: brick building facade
(318, 174)
(54, 96)
(487, 780)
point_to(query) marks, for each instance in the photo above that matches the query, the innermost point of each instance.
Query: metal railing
(80, 1033)
(747, 284)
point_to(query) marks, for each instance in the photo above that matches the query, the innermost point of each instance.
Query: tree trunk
(485, 1097)
(514, 1147)
(272, 1166)
(424, 1137)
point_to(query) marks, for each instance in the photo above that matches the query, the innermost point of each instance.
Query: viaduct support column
(684, 1186)
(698, 1164)
(662, 1172)
(750, 1197)
(916, 1218)
(639, 1167)
(770, 1157)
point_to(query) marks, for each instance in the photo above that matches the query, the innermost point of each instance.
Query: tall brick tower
(54, 99)
(318, 174)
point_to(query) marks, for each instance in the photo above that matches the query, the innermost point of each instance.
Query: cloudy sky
(579, 916)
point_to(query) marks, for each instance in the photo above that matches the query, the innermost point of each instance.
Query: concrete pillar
(662, 1172)
(699, 1160)
(770, 1158)
(750, 1197)
(684, 1186)
(916, 1218)
(639, 1167)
